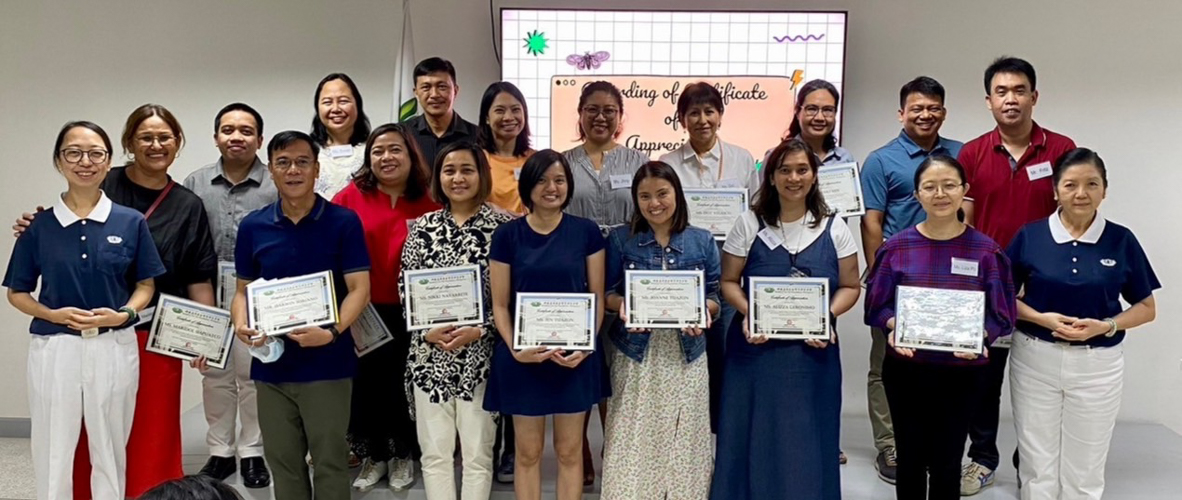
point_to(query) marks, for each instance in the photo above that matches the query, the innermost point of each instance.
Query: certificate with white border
(443, 296)
(369, 331)
(715, 210)
(185, 329)
(938, 319)
(281, 306)
(788, 308)
(665, 299)
(842, 187)
(227, 284)
(555, 321)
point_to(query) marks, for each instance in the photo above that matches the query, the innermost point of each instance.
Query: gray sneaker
(402, 473)
(886, 464)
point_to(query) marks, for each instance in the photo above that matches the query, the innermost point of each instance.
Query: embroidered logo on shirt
(1107, 262)
(114, 240)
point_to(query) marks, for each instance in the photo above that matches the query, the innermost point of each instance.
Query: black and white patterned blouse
(435, 242)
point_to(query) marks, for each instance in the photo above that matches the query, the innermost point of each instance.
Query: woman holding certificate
(82, 357)
(449, 364)
(388, 193)
(546, 273)
(1067, 363)
(658, 426)
(781, 398)
(965, 284)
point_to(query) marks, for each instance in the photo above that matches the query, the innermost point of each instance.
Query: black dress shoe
(219, 468)
(254, 473)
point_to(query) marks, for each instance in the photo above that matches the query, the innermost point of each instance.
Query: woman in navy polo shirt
(1067, 364)
(83, 361)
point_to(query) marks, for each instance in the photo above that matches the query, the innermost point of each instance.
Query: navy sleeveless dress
(779, 414)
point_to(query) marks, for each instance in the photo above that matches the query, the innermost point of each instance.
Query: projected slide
(756, 59)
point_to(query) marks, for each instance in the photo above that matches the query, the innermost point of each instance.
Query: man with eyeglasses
(439, 125)
(888, 187)
(1009, 174)
(232, 187)
(304, 395)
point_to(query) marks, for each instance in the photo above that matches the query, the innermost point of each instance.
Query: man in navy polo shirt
(1008, 170)
(303, 397)
(888, 185)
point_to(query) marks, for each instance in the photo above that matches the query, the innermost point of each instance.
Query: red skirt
(154, 446)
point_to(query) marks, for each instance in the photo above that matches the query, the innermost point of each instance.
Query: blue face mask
(270, 351)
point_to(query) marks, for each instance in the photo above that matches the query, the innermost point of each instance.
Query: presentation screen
(757, 60)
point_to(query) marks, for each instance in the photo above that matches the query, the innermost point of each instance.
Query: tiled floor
(1144, 462)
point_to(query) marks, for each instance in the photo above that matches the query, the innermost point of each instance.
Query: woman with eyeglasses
(95, 262)
(340, 128)
(780, 407)
(814, 120)
(931, 394)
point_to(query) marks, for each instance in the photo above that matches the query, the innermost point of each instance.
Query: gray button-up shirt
(227, 203)
(594, 196)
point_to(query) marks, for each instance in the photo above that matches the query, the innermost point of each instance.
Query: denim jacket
(692, 249)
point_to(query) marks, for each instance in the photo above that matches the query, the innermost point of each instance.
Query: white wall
(1108, 76)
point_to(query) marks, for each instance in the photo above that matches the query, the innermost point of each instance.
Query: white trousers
(1065, 402)
(71, 379)
(228, 396)
(437, 426)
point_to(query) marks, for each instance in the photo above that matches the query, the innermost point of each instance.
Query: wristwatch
(1112, 328)
(335, 333)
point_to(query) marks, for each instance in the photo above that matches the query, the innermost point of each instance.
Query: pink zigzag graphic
(798, 38)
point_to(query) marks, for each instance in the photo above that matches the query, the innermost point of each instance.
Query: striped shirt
(594, 196)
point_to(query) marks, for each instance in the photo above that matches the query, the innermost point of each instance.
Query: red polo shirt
(1008, 195)
(386, 228)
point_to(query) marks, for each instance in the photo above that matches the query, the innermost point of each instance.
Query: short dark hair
(923, 85)
(767, 199)
(659, 170)
(238, 106)
(1007, 64)
(142, 113)
(434, 65)
(416, 180)
(91, 126)
(947, 161)
(806, 89)
(482, 168)
(1079, 156)
(697, 94)
(598, 86)
(486, 133)
(533, 170)
(360, 126)
(285, 139)
(196, 487)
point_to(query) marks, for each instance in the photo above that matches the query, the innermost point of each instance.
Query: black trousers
(983, 428)
(380, 427)
(931, 406)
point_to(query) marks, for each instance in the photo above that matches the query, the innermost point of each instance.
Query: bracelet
(1112, 328)
(132, 316)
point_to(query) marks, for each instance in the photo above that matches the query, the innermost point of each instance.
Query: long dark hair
(360, 126)
(659, 170)
(416, 181)
(767, 200)
(487, 140)
(805, 90)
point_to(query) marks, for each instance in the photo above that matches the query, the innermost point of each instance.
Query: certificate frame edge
(517, 318)
(151, 343)
(746, 203)
(695, 272)
(220, 297)
(750, 319)
(406, 274)
(856, 168)
(367, 350)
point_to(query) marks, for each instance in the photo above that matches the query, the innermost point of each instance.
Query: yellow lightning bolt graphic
(796, 77)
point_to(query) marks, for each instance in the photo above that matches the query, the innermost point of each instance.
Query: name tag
(729, 184)
(964, 267)
(517, 174)
(621, 181)
(770, 238)
(340, 151)
(1036, 172)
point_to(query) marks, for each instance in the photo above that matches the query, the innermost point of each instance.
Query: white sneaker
(402, 473)
(973, 478)
(371, 474)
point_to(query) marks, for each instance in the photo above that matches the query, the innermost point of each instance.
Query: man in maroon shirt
(1008, 170)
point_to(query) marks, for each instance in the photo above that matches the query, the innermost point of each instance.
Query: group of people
(713, 412)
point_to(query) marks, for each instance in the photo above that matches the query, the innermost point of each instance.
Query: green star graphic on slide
(535, 43)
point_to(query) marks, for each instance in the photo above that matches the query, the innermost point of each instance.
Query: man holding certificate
(304, 396)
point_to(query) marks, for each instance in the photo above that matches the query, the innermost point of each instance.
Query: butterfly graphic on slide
(588, 60)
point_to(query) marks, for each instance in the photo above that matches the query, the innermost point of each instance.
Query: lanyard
(159, 199)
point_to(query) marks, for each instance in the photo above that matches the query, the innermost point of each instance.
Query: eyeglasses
(75, 155)
(606, 112)
(932, 189)
(302, 163)
(148, 140)
(827, 111)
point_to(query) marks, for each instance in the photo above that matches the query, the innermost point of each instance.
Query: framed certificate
(842, 187)
(185, 329)
(665, 299)
(278, 307)
(443, 296)
(555, 320)
(940, 320)
(227, 284)
(369, 332)
(788, 308)
(715, 210)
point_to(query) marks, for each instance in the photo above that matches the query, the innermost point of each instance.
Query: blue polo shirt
(888, 180)
(270, 246)
(87, 263)
(1084, 277)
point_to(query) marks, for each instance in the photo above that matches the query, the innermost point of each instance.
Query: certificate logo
(535, 304)
(645, 282)
(176, 310)
(769, 290)
(424, 281)
(696, 198)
